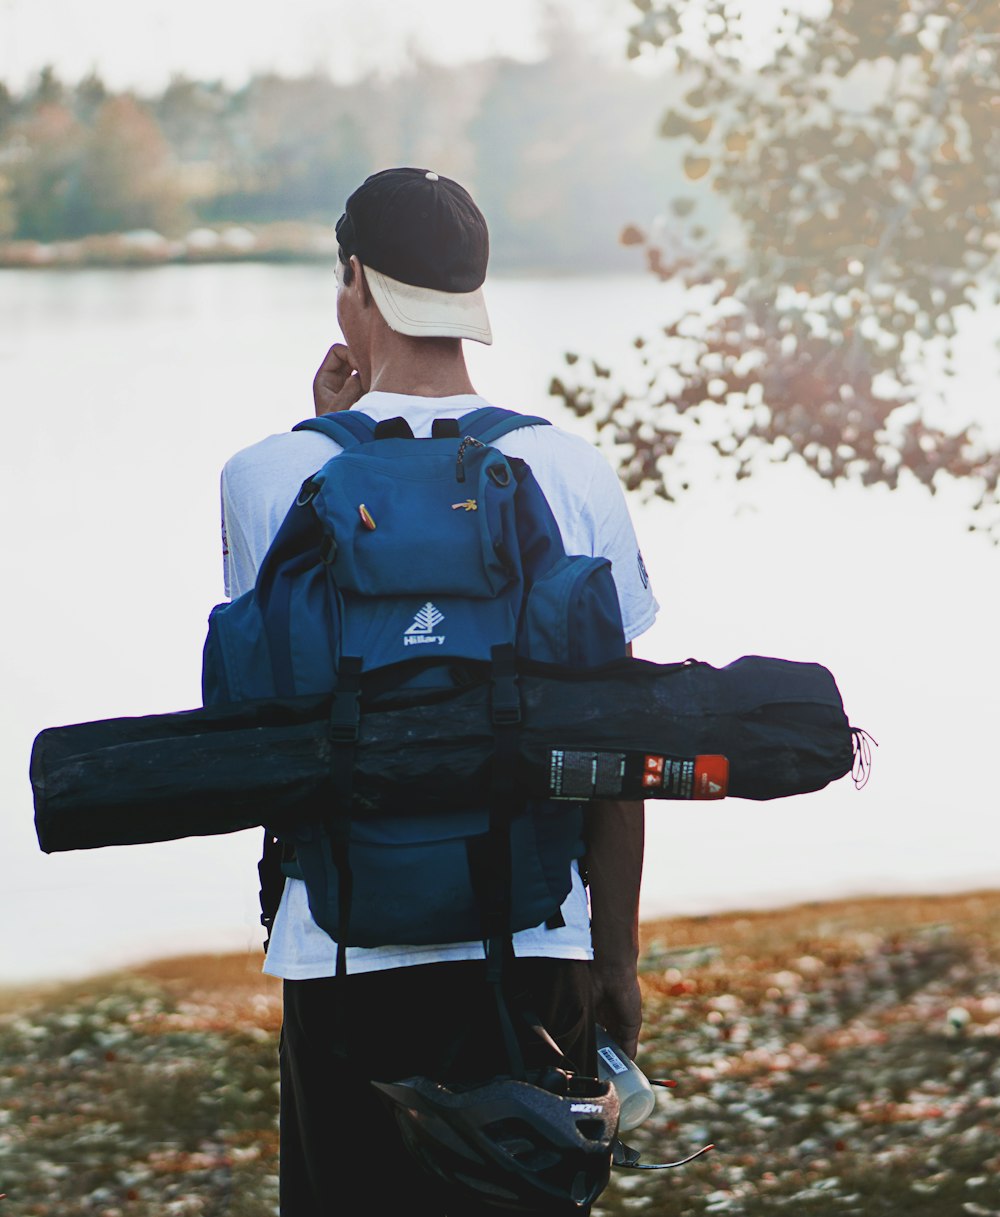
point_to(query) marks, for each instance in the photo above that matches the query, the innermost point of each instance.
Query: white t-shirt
(259, 485)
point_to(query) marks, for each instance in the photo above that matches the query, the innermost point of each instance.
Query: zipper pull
(459, 466)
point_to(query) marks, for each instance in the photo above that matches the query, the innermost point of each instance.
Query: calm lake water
(125, 392)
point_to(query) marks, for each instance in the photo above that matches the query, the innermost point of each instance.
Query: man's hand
(618, 1004)
(336, 385)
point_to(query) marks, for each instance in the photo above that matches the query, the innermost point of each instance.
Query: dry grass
(775, 929)
(817, 1046)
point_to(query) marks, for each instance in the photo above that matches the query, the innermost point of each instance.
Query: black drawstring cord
(861, 768)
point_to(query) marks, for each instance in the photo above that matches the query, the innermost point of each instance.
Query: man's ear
(360, 282)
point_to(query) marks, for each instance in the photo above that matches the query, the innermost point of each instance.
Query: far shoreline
(284, 242)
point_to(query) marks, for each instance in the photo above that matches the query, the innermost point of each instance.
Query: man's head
(423, 246)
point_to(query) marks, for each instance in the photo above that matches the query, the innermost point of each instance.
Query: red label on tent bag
(683, 777)
(711, 777)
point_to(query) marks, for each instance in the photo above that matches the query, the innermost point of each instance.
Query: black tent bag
(780, 724)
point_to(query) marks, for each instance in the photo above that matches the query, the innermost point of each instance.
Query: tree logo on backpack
(422, 629)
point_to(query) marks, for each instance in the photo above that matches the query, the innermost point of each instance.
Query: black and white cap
(424, 246)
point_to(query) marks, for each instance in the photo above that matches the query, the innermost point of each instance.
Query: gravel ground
(123, 1098)
(843, 1058)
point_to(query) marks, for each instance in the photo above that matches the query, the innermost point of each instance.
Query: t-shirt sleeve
(240, 561)
(258, 486)
(254, 499)
(226, 579)
(615, 539)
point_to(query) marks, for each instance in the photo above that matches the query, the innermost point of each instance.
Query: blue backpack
(407, 566)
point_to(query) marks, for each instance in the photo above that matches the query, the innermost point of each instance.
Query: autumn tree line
(560, 153)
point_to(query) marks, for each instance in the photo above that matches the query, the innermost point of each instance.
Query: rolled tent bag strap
(759, 728)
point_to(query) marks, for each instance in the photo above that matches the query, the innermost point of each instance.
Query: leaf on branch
(702, 129)
(675, 125)
(695, 167)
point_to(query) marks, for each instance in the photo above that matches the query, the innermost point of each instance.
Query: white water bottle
(636, 1099)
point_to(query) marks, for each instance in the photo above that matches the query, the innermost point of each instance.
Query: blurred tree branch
(859, 160)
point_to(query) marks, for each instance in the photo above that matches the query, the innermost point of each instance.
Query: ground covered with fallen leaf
(844, 1059)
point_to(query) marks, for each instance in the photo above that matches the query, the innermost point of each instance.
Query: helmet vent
(484, 1186)
(517, 1139)
(593, 1130)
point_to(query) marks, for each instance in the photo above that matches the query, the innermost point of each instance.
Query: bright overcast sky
(140, 43)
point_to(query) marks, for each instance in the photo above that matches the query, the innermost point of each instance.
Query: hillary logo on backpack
(355, 608)
(424, 622)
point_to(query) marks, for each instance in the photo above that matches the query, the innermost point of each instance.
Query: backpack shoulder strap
(347, 428)
(489, 423)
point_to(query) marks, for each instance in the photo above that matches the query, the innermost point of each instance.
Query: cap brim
(422, 312)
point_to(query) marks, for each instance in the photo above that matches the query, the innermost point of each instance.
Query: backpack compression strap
(346, 429)
(490, 856)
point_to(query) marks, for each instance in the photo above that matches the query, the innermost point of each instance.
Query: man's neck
(420, 367)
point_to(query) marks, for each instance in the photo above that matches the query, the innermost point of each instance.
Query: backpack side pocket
(236, 662)
(572, 615)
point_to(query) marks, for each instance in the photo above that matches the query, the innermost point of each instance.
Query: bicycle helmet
(512, 1143)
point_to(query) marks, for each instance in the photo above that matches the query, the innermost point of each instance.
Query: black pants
(341, 1152)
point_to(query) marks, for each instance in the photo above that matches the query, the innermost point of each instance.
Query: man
(412, 261)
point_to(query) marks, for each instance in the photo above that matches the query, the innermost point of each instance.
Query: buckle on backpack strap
(505, 697)
(345, 715)
(506, 713)
(345, 705)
